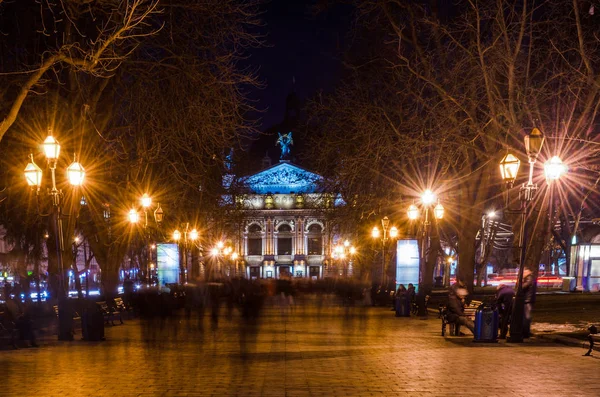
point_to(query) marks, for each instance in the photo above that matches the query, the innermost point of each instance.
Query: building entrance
(314, 272)
(284, 271)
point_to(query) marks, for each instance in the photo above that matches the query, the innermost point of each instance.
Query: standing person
(504, 300)
(401, 302)
(410, 295)
(529, 290)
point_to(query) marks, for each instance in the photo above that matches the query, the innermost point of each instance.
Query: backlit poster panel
(407, 263)
(167, 263)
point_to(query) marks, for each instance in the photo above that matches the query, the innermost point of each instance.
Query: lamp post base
(516, 320)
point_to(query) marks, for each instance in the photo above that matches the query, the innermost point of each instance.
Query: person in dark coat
(504, 301)
(401, 302)
(410, 295)
(456, 310)
(529, 290)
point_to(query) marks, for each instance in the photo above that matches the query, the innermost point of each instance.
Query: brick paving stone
(325, 351)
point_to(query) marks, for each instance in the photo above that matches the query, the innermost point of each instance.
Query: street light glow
(133, 216)
(352, 250)
(554, 168)
(509, 167)
(193, 234)
(491, 214)
(438, 211)
(51, 147)
(346, 243)
(413, 212)
(375, 232)
(75, 174)
(220, 244)
(214, 251)
(394, 232)
(33, 173)
(176, 235)
(146, 200)
(428, 197)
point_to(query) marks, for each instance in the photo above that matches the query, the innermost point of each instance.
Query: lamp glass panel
(439, 211)
(509, 167)
(51, 148)
(33, 174)
(413, 212)
(554, 168)
(75, 174)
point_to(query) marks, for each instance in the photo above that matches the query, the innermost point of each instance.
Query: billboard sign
(167, 257)
(407, 262)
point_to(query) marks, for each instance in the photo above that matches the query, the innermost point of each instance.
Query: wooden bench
(108, 313)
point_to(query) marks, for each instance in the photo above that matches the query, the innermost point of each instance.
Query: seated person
(456, 310)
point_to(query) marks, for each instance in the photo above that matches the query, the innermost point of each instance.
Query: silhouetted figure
(127, 291)
(529, 290)
(504, 301)
(402, 302)
(593, 331)
(411, 296)
(456, 310)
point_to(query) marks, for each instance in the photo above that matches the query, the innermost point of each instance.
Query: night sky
(303, 45)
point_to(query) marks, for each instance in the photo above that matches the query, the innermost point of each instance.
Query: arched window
(315, 239)
(284, 240)
(254, 239)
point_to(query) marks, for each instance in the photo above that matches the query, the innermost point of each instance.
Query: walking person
(529, 290)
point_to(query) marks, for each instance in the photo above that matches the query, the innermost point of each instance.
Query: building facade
(285, 230)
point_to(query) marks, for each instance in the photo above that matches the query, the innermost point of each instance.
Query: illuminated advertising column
(167, 257)
(407, 263)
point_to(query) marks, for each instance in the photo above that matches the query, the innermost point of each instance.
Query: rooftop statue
(285, 141)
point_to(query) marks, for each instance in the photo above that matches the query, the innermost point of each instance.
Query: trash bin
(92, 323)
(486, 324)
(568, 284)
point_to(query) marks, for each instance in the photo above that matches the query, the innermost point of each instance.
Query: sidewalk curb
(565, 340)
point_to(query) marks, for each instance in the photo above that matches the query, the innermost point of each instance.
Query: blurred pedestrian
(592, 331)
(401, 302)
(504, 301)
(456, 310)
(411, 297)
(529, 290)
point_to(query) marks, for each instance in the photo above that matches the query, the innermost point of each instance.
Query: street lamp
(388, 233)
(220, 250)
(509, 167)
(344, 252)
(428, 198)
(75, 175)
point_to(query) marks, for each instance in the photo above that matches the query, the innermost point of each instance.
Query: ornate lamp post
(75, 176)
(188, 237)
(509, 167)
(134, 218)
(220, 250)
(388, 233)
(345, 252)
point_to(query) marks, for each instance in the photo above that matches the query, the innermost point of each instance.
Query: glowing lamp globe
(146, 200)
(428, 197)
(214, 251)
(375, 232)
(51, 148)
(554, 168)
(346, 243)
(438, 211)
(176, 235)
(352, 250)
(220, 245)
(413, 212)
(509, 166)
(194, 235)
(33, 174)
(75, 174)
(133, 216)
(394, 232)
(234, 256)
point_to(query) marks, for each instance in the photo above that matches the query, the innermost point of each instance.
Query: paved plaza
(325, 351)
